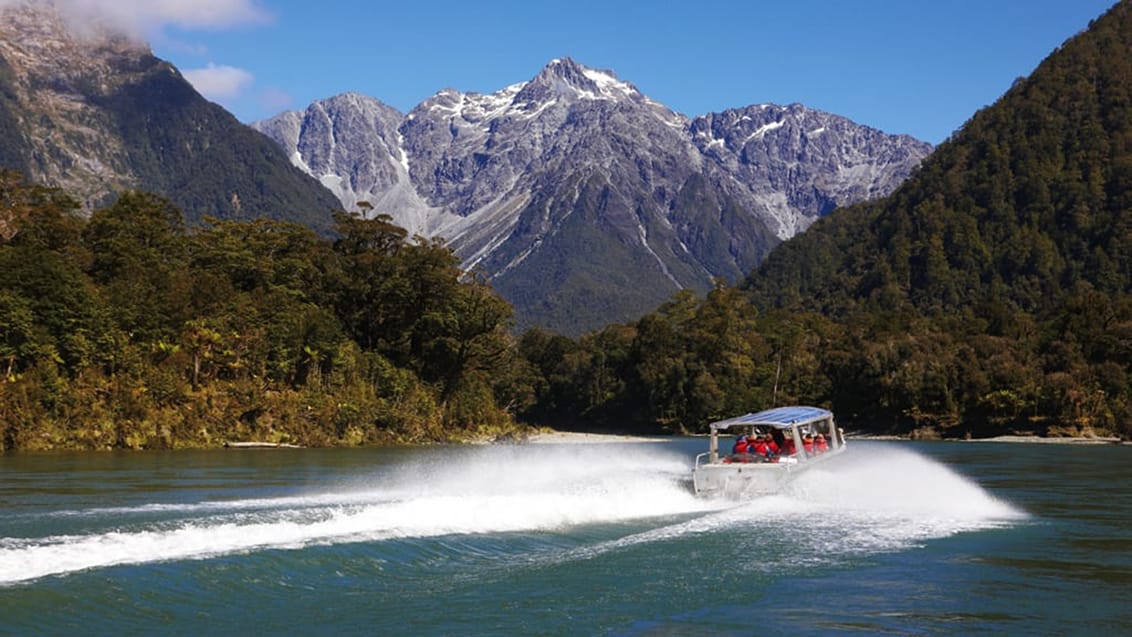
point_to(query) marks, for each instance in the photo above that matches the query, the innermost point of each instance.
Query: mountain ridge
(497, 176)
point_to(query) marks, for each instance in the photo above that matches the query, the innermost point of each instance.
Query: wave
(881, 500)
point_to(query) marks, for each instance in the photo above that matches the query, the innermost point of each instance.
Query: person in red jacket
(808, 444)
(758, 447)
(740, 446)
(788, 446)
(820, 445)
(771, 445)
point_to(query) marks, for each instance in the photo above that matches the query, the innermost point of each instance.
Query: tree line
(979, 373)
(125, 329)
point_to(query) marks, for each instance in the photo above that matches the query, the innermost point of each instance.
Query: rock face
(581, 199)
(95, 113)
(351, 144)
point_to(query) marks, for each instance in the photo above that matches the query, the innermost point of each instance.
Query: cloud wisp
(219, 82)
(148, 18)
(172, 23)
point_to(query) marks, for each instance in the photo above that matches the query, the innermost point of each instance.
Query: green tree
(139, 259)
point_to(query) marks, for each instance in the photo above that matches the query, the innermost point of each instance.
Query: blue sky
(920, 67)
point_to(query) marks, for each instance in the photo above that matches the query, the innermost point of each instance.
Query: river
(905, 538)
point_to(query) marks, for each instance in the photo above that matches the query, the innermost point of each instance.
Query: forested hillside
(993, 286)
(126, 330)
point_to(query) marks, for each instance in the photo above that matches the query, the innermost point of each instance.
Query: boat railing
(703, 458)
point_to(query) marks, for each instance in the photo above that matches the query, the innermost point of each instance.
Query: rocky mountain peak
(566, 79)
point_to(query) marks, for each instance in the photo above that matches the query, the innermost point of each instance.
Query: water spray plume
(866, 499)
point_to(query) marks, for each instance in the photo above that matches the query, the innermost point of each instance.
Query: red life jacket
(740, 446)
(808, 445)
(821, 445)
(759, 447)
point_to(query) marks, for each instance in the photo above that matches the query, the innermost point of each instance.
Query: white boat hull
(746, 480)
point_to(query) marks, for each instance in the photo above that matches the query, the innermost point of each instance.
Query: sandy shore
(1056, 441)
(570, 437)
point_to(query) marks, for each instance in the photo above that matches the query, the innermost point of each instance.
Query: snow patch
(542, 107)
(643, 234)
(609, 86)
(763, 130)
(298, 162)
(494, 221)
(535, 245)
(404, 157)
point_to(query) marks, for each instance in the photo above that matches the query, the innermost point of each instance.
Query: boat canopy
(778, 418)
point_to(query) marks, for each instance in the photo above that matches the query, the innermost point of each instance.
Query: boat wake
(879, 499)
(889, 500)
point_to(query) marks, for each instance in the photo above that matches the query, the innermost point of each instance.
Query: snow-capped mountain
(584, 201)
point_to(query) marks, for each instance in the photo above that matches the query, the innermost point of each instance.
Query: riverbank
(1060, 440)
(572, 437)
(1056, 440)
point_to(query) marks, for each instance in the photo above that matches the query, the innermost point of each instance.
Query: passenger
(788, 446)
(758, 447)
(771, 445)
(820, 445)
(740, 446)
(808, 443)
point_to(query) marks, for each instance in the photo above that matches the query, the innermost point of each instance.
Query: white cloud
(151, 20)
(208, 14)
(148, 17)
(218, 83)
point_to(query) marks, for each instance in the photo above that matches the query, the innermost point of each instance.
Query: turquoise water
(603, 539)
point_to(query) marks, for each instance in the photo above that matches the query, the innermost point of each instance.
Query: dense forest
(128, 330)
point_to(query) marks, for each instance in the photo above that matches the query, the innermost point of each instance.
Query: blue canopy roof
(779, 417)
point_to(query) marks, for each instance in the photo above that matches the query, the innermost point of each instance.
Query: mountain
(95, 113)
(1027, 201)
(584, 201)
